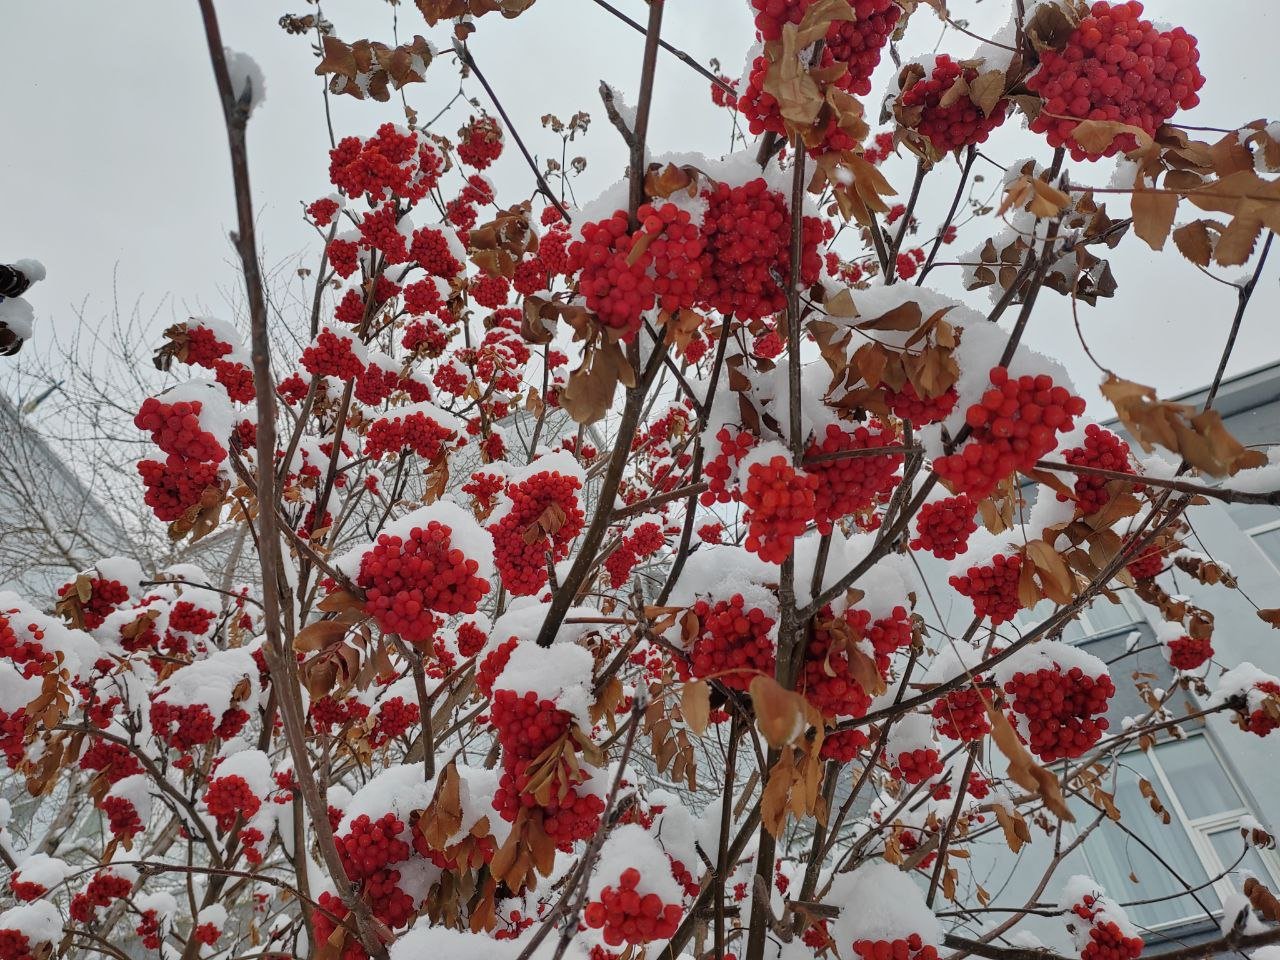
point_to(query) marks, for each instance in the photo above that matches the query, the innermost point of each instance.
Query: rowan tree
(588, 617)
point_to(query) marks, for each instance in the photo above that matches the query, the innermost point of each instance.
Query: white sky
(113, 159)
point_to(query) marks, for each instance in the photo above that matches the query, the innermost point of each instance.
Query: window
(1101, 616)
(1262, 524)
(1201, 842)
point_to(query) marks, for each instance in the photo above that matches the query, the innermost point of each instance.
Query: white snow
(18, 316)
(42, 869)
(246, 77)
(560, 673)
(632, 846)
(880, 902)
(38, 921)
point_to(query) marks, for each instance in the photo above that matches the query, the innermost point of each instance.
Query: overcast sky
(113, 159)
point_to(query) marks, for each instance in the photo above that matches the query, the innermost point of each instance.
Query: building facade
(1188, 854)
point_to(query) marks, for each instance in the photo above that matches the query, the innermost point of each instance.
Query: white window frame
(1252, 534)
(1086, 624)
(1199, 829)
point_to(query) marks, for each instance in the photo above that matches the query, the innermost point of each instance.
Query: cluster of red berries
(192, 725)
(908, 948)
(24, 890)
(330, 915)
(848, 58)
(13, 736)
(395, 717)
(780, 501)
(916, 766)
(1259, 722)
(379, 231)
(292, 389)
(175, 428)
(430, 249)
(1065, 711)
(949, 125)
(30, 654)
(104, 597)
(521, 539)
(323, 211)
(734, 643)
(1014, 424)
(625, 915)
(122, 817)
(390, 164)
(480, 142)
(408, 580)
(1149, 562)
(993, 587)
(104, 889)
(114, 761)
(907, 404)
(526, 727)
(375, 383)
(331, 355)
(1188, 653)
(1106, 940)
(644, 541)
(747, 235)
(1115, 67)
(328, 712)
(205, 349)
(857, 43)
(229, 797)
(617, 287)
(368, 851)
(721, 468)
(15, 945)
(961, 715)
(148, 929)
(850, 484)
(417, 431)
(236, 379)
(830, 683)
(676, 255)
(943, 526)
(844, 745)
(887, 635)
(622, 274)
(419, 299)
(186, 617)
(1104, 450)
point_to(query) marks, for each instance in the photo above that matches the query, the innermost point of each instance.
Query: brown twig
(283, 668)
(464, 54)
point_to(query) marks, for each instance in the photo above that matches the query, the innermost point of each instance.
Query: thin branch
(464, 54)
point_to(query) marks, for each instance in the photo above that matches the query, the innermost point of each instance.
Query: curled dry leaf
(1201, 438)
(1271, 616)
(1262, 899)
(368, 69)
(780, 713)
(695, 704)
(1023, 769)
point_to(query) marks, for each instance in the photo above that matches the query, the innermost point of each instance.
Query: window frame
(1199, 830)
(1086, 624)
(1260, 528)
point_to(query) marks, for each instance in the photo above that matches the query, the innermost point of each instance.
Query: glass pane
(1197, 778)
(1229, 845)
(1118, 859)
(1041, 612)
(1105, 615)
(1269, 543)
(1250, 515)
